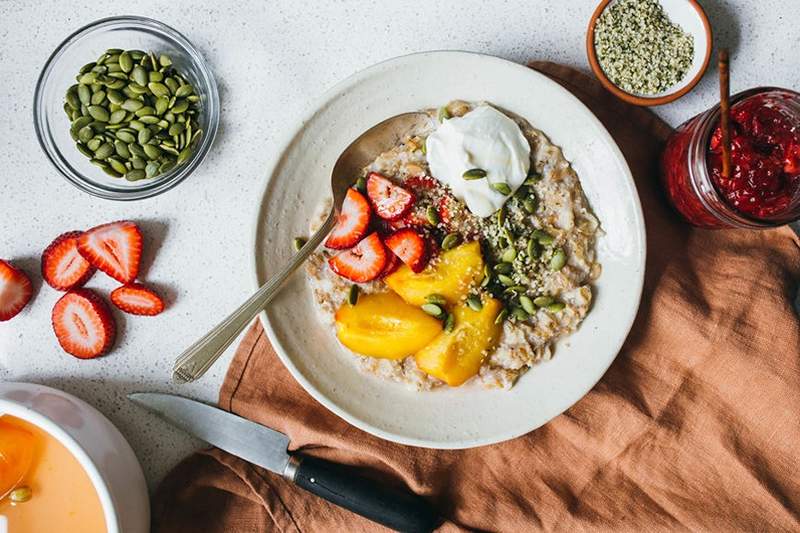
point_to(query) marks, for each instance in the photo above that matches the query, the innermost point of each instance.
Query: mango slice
(383, 325)
(452, 276)
(457, 356)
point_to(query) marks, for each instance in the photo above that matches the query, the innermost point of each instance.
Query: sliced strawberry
(443, 208)
(352, 223)
(63, 268)
(389, 200)
(136, 299)
(420, 182)
(83, 324)
(410, 247)
(15, 290)
(363, 263)
(392, 264)
(115, 248)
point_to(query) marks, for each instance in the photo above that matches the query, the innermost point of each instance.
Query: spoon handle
(199, 357)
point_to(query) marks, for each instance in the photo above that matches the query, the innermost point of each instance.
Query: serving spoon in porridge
(198, 358)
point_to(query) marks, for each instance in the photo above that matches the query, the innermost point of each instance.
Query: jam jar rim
(696, 162)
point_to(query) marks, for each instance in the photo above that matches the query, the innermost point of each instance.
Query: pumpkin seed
(555, 307)
(132, 105)
(176, 129)
(84, 94)
(527, 304)
(155, 76)
(184, 91)
(138, 163)
(474, 303)
(111, 172)
(501, 316)
(433, 310)
(487, 276)
(184, 155)
(437, 299)
(144, 136)
(87, 67)
(126, 137)
(542, 237)
(84, 149)
(21, 494)
(352, 295)
(450, 241)
(149, 119)
(474, 174)
(543, 301)
(98, 113)
(122, 150)
(105, 150)
(180, 106)
(532, 249)
(533, 177)
(151, 169)
(117, 165)
(432, 215)
(509, 255)
(164, 60)
(161, 105)
(93, 145)
(117, 116)
(529, 204)
(505, 280)
(503, 268)
(85, 134)
(519, 314)
(515, 289)
(444, 114)
(139, 75)
(98, 163)
(159, 89)
(500, 217)
(98, 98)
(135, 175)
(449, 323)
(136, 150)
(558, 260)
(152, 152)
(501, 187)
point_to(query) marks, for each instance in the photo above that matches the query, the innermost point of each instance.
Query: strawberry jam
(764, 188)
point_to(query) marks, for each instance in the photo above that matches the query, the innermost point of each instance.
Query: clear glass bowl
(85, 45)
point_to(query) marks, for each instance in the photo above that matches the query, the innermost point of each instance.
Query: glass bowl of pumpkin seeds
(126, 108)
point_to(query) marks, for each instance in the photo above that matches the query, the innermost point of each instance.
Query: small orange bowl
(692, 19)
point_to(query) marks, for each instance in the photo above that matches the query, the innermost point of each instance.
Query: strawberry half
(390, 201)
(115, 248)
(351, 225)
(136, 299)
(15, 291)
(363, 263)
(63, 267)
(83, 324)
(410, 247)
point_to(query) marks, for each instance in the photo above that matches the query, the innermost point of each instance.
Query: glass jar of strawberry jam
(763, 190)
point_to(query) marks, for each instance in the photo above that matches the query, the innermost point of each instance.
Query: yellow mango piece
(452, 276)
(457, 356)
(383, 325)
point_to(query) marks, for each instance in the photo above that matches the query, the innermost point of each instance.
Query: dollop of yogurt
(484, 138)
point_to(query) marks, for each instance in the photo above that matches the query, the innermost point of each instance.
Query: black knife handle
(396, 509)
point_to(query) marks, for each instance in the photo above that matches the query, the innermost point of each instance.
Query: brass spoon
(199, 357)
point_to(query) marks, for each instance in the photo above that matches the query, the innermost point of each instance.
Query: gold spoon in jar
(199, 357)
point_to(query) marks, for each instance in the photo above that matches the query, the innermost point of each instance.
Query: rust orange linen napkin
(696, 426)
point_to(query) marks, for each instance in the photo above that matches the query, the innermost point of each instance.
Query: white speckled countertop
(271, 59)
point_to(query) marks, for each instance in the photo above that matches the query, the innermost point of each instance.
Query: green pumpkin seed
(80, 122)
(184, 155)
(136, 125)
(126, 137)
(138, 163)
(503, 268)
(500, 216)
(444, 114)
(122, 149)
(117, 165)
(117, 116)
(137, 89)
(144, 111)
(533, 177)
(450, 240)
(104, 151)
(166, 166)
(487, 276)
(558, 260)
(519, 314)
(449, 323)
(98, 98)
(532, 249)
(184, 91)
(169, 149)
(501, 187)
(155, 76)
(136, 150)
(93, 145)
(139, 75)
(125, 62)
(85, 134)
(72, 99)
(433, 310)
(529, 204)
(84, 94)
(431, 214)
(509, 255)
(527, 304)
(164, 60)
(98, 163)
(144, 136)
(98, 113)
(543, 301)
(20, 494)
(437, 299)
(115, 97)
(149, 119)
(132, 105)
(352, 295)
(158, 89)
(151, 169)
(115, 84)
(161, 105)
(87, 67)
(180, 106)
(176, 129)
(501, 316)
(113, 51)
(135, 175)
(152, 152)
(542, 237)
(515, 289)
(474, 174)
(136, 54)
(474, 303)
(505, 280)
(84, 150)
(111, 172)
(172, 83)
(556, 307)
(298, 242)
(88, 78)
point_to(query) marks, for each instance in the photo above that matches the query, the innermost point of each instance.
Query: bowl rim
(644, 100)
(49, 426)
(285, 142)
(147, 189)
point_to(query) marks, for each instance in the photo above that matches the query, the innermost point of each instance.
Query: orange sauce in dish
(63, 497)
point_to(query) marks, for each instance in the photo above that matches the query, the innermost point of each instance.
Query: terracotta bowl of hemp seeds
(649, 52)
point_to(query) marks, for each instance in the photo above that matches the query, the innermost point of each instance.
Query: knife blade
(398, 509)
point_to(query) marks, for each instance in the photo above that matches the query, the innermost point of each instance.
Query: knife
(265, 447)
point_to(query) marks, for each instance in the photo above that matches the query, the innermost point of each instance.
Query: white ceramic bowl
(298, 181)
(98, 446)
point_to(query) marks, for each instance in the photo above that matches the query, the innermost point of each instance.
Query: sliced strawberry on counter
(391, 201)
(364, 262)
(63, 267)
(136, 299)
(15, 291)
(351, 225)
(410, 247)
(392, 264)
(115, 248)
(83, 324)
